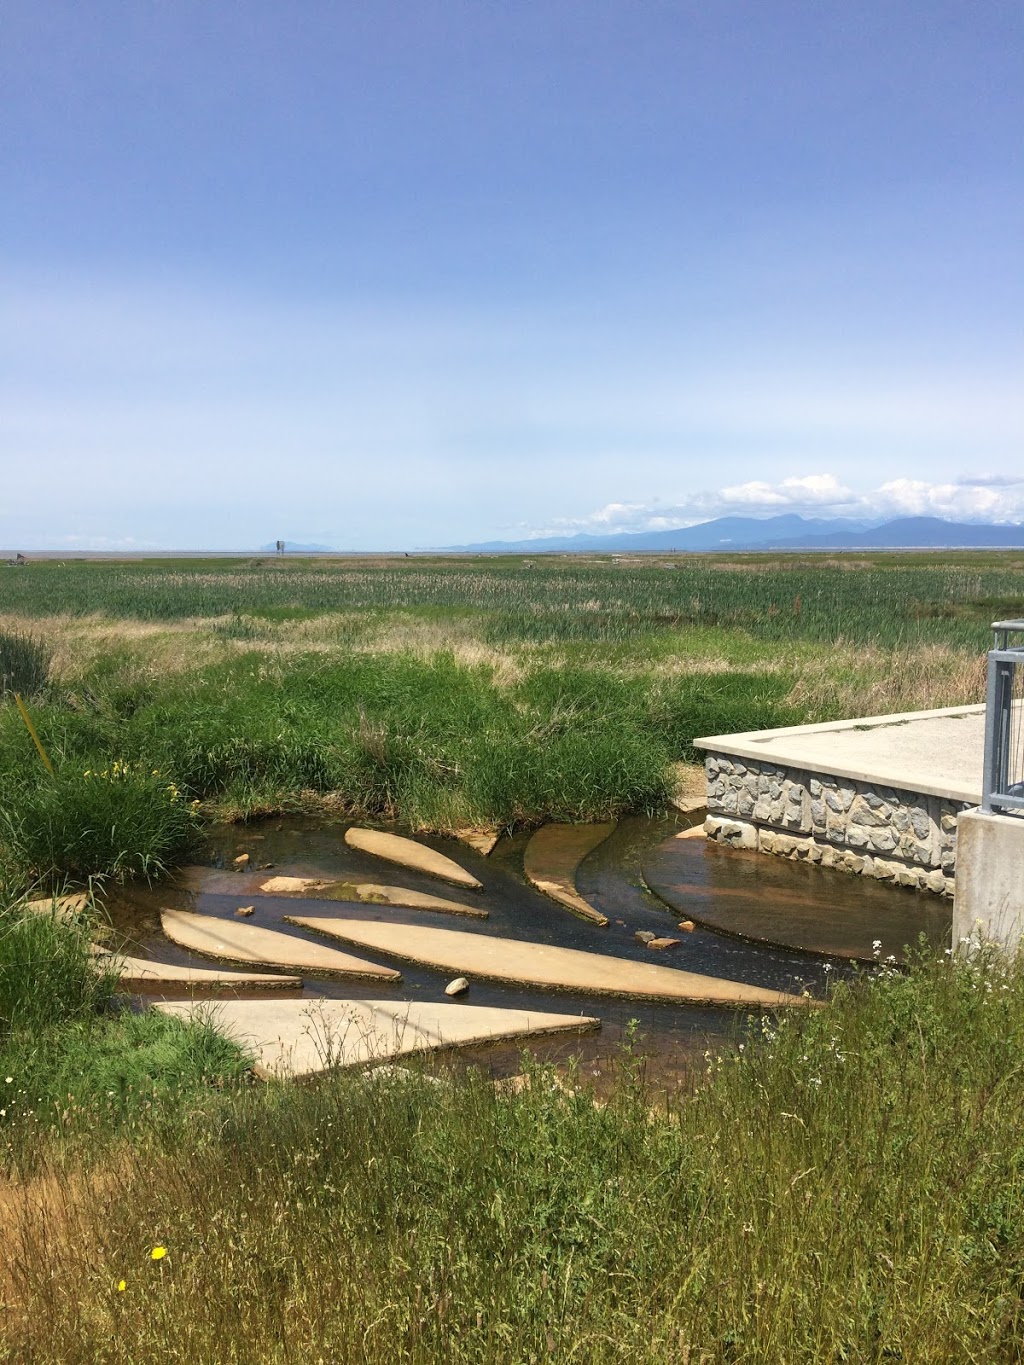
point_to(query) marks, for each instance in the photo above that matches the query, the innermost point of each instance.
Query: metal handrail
(1002, 786)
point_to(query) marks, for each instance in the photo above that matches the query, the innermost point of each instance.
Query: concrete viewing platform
(878, 795)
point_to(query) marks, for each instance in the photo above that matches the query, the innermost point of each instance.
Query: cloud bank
(989, 498)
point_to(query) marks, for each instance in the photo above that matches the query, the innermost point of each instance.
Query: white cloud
(971, 498)
(814, 490)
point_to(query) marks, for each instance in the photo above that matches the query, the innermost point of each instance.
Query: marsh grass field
(842, 1184)
(441, 692)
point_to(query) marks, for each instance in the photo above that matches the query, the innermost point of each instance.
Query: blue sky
(409, 274)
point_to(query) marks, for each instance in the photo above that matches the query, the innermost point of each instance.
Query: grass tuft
(24, 664)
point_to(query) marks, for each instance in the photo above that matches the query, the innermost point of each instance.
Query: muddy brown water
(735, 897)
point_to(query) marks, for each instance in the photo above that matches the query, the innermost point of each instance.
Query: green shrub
(120, 821)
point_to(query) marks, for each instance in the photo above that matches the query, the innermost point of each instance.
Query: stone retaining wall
(897, 836)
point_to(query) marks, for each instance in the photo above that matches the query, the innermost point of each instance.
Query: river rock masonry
(904, 837)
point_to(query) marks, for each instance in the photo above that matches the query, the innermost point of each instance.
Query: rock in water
(457, 987)
(662, 943)
(644, 936)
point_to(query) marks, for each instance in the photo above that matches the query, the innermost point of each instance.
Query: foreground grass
(846, 1187)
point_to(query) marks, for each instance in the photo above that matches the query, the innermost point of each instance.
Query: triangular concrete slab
(303, 1038)
(367, 893)
(231, 941)
(140, 973)
(540, 964)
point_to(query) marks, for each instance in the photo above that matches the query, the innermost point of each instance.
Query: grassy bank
(74, 1063)
(847, 1187)
(441, 693)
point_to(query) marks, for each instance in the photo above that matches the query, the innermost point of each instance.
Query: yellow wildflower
(158, 1253)
(121, 1286)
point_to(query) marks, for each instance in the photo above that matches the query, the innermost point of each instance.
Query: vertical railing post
(997, 729)
(999, 719)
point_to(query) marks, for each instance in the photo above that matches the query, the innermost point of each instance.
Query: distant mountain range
(788, 532)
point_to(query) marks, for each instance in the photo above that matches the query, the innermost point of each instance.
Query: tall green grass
(118, 820)
(437, 743)
(846, 1187)
(24, 664)
(47, 974)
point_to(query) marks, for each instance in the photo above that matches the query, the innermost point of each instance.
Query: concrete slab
(368, 893)
(483, 840)
(540, 964)
(393, 848)
(303, 1038)
(789, 904)
(552, 856)
(292, 886)
(938, 753)
(62, 907)
(233, 941)
(144, 974)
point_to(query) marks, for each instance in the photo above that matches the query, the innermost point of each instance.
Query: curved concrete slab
(233, 941)
(143, 974)
(303, 1038)
(393, 848)
(552, 857)
(790, 904)
(368, 893)
(540, 964)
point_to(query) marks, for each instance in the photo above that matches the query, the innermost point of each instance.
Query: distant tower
(280, 547)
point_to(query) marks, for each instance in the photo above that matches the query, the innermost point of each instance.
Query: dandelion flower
(121, 1286)
(158, 1253)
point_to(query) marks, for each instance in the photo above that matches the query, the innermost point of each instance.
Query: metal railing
(1002, 788)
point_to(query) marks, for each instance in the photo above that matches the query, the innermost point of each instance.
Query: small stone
(687, 926)
(457, 987)
(242, 860)
(660, 944)
(644, 936)
(245, 910)
(264, 866)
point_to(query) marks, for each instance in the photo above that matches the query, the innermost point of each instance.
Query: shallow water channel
(800, 914)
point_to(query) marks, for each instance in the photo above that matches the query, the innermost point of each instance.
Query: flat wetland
(833, 1184)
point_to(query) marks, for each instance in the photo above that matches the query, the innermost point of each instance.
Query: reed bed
(559, 599)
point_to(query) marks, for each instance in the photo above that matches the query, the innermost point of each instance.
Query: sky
(413, 273)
